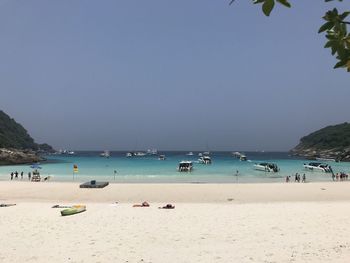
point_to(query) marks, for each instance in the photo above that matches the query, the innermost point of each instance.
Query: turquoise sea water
(151, 170)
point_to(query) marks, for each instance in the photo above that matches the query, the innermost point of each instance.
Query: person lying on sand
(144, 204)
(61, 206)
(168, 206)
(6, 205)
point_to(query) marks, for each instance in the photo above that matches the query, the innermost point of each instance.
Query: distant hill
(13, 135)
(329, 142)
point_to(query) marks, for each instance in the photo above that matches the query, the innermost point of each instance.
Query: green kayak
(75, 209)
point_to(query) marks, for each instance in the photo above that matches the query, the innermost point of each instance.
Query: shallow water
(151, 170)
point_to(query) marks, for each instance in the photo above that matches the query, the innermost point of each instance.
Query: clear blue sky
(168, 74)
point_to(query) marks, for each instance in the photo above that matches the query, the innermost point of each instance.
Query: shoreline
(175, 193)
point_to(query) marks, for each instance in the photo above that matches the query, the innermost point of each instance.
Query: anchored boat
(321, 167)
(266, 167)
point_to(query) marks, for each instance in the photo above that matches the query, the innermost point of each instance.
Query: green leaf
(284, 2)
(268, 6)
(326, 26)
(340, 64)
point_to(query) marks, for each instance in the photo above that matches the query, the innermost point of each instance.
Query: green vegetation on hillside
(13, 135)
(331, 137)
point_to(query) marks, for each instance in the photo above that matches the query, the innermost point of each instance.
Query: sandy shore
(261, 223)
(187, 193)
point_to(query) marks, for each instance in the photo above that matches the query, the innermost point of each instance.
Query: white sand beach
(211, 223)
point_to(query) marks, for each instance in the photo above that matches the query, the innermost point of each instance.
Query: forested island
(331, 142)
(16, 145)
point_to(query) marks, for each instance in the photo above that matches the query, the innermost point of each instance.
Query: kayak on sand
(75, 209)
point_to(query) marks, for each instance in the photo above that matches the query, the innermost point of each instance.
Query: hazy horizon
(184, 75)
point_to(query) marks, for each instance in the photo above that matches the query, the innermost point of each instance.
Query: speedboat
(266, 167)
(105, 154)
(320, 167)
(204, 160)
(206, 153)
(161, 157)
(190, 154)
(236, 154)
(152, 151)
(140, 154)
(135, 154)
(243, 157)
(185, 166)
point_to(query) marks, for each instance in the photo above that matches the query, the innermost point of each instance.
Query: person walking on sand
(22, 175)
(16, 175)
(11, 176)
(29, 176)
(296, 177)
(287, 179)
(304, 178)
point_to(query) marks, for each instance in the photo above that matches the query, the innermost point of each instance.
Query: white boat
(189, 154)
(135, 154)
(243, 157)
(105, 154)
(204, 160)
(206, 153)
(266, 167)
(161, 157)
(200, 154)
(185, 166)
(236, 154)
(321, 167)
(152, 151)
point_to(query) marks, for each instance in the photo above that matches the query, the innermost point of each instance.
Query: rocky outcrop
(14, 156)
(313, 153)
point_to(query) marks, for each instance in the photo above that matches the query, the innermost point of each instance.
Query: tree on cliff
(335, 27)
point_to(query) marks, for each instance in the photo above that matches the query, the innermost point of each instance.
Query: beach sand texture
(197, 230)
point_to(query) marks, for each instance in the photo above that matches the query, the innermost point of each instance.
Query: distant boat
(266, 167)
(190, 154)
(236, 154)
(185, 166)
(105, 154)
(161, 157)
(136, 154)
(65, 152)
(152, 151)
(204, 160)
(321, 167)
(243, 157)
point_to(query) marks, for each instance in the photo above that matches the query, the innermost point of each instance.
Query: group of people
(296, 178)
(339, 177)
(14, 175)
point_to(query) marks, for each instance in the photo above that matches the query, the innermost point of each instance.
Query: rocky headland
(16, 145)
(331, 142)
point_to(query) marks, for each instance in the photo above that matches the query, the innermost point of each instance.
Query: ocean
(121, 169)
